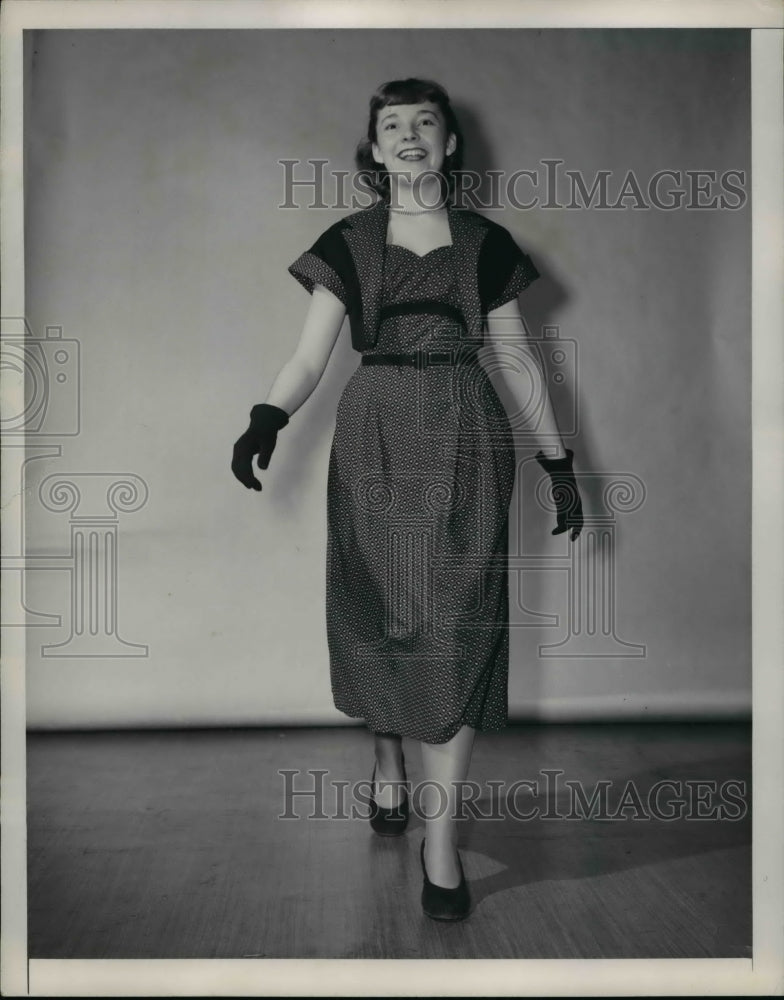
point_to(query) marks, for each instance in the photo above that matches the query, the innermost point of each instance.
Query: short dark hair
(410, 91)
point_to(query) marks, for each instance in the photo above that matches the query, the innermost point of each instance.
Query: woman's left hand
(568, 504)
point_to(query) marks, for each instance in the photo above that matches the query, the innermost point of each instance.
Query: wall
(154, 240)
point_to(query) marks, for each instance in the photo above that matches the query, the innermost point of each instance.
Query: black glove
(568, 505)
(265, 422)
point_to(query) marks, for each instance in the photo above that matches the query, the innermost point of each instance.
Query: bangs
(409, 92)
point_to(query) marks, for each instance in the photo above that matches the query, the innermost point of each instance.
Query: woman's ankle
(441, 838)
(389, 756)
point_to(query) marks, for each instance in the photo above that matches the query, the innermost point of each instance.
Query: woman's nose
(409, 132)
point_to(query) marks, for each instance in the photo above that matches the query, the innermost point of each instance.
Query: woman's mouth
(412, 154)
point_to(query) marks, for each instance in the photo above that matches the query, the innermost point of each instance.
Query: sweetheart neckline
(421, 256)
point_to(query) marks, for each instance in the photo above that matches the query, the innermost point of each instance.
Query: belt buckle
(441, 357)
(426, 356)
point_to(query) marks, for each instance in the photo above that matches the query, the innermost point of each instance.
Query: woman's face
(412, 139)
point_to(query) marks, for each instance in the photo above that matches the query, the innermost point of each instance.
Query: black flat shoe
(389, 822)
(440, 903)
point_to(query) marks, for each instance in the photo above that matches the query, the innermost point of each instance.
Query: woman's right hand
(294, 383)
(259, 439)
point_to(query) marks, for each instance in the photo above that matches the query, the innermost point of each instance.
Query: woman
(421, 467)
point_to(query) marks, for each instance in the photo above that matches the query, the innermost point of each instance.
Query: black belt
(432, 306)
(423, 358)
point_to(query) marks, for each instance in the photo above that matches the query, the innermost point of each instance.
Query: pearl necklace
(415, 211)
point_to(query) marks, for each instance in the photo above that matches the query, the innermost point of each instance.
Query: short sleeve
(310, 270)
(326, 263)
(504, 270)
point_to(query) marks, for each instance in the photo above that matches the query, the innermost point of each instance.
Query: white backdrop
(155, 242)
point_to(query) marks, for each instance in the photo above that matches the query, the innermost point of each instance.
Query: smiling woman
(421, 469)
(412, 145)
(406, 114)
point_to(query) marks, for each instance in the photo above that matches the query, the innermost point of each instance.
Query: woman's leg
(444, 764)
(389, 768)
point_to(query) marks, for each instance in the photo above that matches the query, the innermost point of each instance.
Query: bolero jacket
(348, 259)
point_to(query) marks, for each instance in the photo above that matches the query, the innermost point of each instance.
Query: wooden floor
(169, 845)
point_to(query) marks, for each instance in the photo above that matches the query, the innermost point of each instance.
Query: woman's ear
(376, 153)
(451, 144)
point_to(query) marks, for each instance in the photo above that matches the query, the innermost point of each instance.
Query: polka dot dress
(421, 473)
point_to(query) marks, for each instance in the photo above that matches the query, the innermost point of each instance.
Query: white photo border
(763, 974)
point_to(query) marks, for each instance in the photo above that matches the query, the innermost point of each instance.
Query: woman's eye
(389, 126)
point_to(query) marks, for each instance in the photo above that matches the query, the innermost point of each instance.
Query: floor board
(168, 844)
